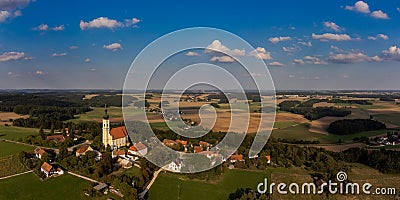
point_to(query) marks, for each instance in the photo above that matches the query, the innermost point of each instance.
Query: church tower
(106, 129)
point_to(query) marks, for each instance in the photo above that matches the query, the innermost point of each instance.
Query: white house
(49, 170)
(39, 152)
(175, 165)
(138, 149)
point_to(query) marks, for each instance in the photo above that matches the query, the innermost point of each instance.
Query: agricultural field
(9, 148)
(5, 117)
(302, 132)
(97, 114)
(390, 117)
(11, 165)
(173, 186)
(176, 186)
(29, 186)
(15, 133)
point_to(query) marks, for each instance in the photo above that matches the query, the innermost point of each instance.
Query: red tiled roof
(132, 148)
(236, 157)
(118, 152)
(47, 167)
(168, 142)
(197, 149)
(140, 146)
(202, 143)
(182, 142)
(119, 132)
(59, 138)
(83, 148)
(39, 150)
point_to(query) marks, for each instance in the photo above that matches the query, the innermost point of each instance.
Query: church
(116, 137)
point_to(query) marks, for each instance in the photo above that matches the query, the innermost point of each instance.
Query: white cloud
(398, 9)
(58, 54)
(41, 73)
(337, 49)
(41, 27)
(93, 69)
(45, 27)
(17, 13)
(290, 49)
(351, 57)
(105, 22)
(113, 47)
(191, 53)
(223, 59)
(132, 22)
(393, 53)
(276, 64)
(73, 47)
(308, 44)
(10, 9)
(58, 28)
(333, 26)
(260, 52)
(87, 60)
(4, 15)
(382, 36)
(376, 58)
(13, 4)
(298, 61)
(279, 39)
(11, 56)
(379, 15)
(330, 36)
(359, 6)
(314, 60)
(216, 45)
(363, 7)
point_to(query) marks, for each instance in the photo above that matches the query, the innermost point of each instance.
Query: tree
(41, 134)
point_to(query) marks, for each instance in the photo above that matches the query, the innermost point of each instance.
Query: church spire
(106, 116)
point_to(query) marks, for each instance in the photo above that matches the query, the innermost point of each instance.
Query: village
(124, 155)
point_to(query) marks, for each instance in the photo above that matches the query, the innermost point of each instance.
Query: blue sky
(307, 44)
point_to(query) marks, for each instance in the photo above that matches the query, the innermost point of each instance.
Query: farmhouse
(83, 149)
(235, 158)
(197, 149)
(168, 142)
(49, 170)
(175, 165)
(117, 137)
(117, 153)
(141, 148)
(39, 152)
(56, 138)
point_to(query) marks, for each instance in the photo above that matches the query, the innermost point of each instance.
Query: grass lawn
(9, 148)
(97, 113)
(176, 186)
(301, 132)
(29, 186)
(285, 124)
(133, 171)
(15, 133)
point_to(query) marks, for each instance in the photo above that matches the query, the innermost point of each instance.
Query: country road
(155, 175)
(56, 150)
(16, 174)
(83, 177)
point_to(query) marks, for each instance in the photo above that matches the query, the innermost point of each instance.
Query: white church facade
(116, 137)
